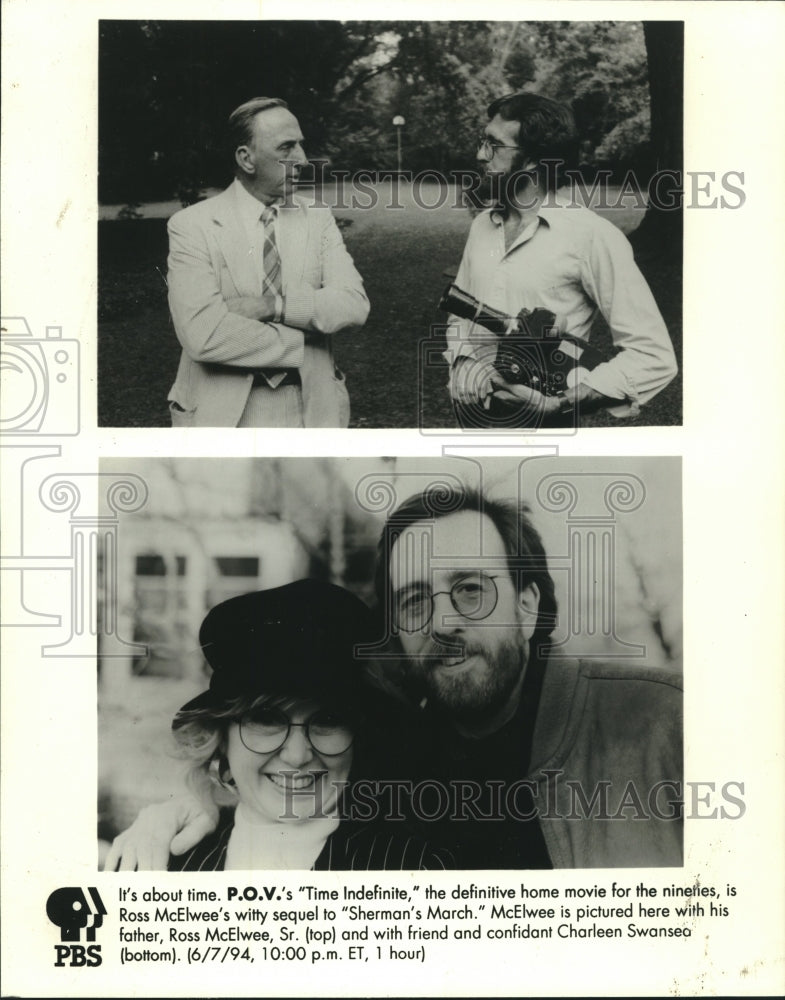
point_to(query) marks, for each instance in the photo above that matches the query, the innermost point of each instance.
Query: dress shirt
(572, 262)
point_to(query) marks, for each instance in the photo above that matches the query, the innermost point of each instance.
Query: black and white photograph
(295, 216)
(388, 655)
(457, 670)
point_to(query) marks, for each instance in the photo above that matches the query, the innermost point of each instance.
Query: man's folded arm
(207, 329)
(340, 304)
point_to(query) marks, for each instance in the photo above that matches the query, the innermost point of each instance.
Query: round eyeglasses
(487, 147)
(267, 729)
(473, 597)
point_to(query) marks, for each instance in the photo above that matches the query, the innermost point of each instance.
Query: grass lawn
(402, 255)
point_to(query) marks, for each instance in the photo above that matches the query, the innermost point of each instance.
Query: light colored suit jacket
(211, 262)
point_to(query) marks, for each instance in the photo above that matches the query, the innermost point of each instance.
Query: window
(237, 566)
(154, 565)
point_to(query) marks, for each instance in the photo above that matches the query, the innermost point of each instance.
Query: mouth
(456, 664)
(294, 782)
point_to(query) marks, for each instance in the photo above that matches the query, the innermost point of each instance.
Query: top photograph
(441, 226)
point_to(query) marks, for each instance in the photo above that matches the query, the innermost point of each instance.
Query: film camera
(531, 350)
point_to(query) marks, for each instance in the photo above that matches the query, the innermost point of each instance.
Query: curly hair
(200, 738)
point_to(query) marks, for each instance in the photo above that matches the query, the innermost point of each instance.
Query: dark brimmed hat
(298, 640)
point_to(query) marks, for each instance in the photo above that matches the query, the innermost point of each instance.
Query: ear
(225, 772)
(244, 159)
(529, 604)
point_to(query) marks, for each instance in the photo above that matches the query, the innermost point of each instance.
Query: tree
(165, 88)
(662, 227)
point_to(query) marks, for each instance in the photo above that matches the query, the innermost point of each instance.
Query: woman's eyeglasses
(267, 729)
(473, 597)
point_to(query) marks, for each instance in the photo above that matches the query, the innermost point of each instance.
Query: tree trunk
(661, 228)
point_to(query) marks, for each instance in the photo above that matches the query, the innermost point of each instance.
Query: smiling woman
(287, 785)
(277, 734)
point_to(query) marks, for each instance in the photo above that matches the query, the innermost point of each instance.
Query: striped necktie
(272, 289)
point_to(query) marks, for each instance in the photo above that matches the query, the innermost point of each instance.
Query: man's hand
(583, 398)
(172, 827)
(515, 394)
(471, 378)
(252, 307)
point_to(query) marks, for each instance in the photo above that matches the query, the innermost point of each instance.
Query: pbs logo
(76, 913)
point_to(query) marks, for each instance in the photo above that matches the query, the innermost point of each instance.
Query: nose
(296, 751)
(299, 154)
(482, 154)
(446, 619)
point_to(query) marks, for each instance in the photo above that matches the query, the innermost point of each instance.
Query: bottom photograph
(391, 664)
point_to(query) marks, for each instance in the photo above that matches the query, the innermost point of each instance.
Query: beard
(502, 187)
(479, 691)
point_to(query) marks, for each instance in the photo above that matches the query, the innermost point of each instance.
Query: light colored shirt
(257, 843)
(572, 262)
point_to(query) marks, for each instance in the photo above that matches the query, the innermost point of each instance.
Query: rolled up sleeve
(464, 338)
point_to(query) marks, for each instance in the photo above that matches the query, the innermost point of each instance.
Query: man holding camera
(259, 282)
(534, 250)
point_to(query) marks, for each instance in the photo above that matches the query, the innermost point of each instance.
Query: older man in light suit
(259, 281)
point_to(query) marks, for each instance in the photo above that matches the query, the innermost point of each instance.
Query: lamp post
(399, 121)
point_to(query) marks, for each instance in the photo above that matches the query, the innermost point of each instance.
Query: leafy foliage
(166, 87)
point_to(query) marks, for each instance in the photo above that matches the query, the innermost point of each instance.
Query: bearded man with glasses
(537, 249)
(556, 763)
